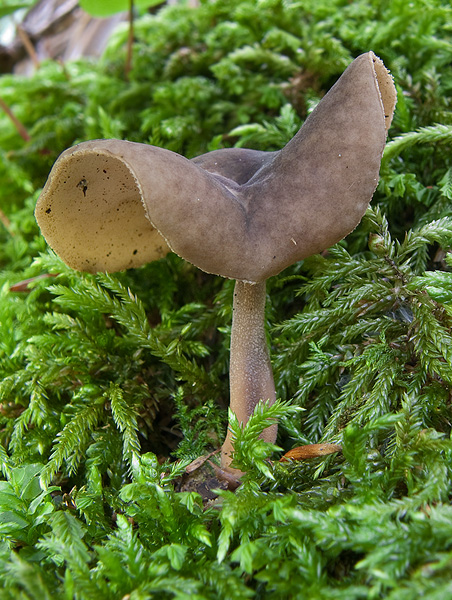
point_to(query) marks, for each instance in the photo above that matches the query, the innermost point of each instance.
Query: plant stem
(6, 222)
(15, 121)
(250, 371)
(128, 66)
(25, 39)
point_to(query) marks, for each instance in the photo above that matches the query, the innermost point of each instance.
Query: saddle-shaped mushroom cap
(109, 205)
(243, 214)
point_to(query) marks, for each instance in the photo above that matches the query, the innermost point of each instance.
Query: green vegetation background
(111, 385)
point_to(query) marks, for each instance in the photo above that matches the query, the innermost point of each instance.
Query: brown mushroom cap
(238, 213)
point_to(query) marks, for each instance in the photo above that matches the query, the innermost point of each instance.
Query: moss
(102, 376)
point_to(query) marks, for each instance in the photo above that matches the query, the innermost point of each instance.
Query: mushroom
(243, 214)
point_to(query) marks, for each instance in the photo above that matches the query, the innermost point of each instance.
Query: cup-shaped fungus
(109, 205)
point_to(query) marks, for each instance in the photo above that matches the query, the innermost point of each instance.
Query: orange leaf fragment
(310, 451)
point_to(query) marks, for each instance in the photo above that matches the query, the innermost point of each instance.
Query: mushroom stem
(250, 371)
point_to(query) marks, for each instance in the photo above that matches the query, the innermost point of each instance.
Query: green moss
(106, 380)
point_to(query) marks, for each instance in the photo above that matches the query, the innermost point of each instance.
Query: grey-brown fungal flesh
(242, 214)
(250, 370)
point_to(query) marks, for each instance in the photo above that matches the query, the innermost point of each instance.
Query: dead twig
(17, 124)
(6, 223)
(128, 66)
(26, 41)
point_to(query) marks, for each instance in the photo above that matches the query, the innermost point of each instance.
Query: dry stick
(6, 222)
(24, 285)
(128, 66)
(25, 38)
(17, 124)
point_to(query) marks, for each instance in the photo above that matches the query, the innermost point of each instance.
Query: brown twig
(17, 124)
(128, 66)
(198, 462)
(24, 285)
(25, 39)
(6, 222)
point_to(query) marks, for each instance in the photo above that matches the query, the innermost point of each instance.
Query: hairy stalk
(250, 371)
